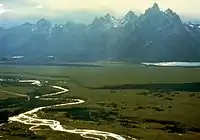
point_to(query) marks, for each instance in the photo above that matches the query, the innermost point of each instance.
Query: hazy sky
(27, 9)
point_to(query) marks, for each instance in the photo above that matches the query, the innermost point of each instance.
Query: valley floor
(143, 102)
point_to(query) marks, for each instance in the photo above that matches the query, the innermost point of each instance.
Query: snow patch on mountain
(191, 25)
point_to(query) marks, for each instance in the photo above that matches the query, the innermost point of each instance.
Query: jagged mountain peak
(95, 20)
(108, 21)
(173, 16)
(154, 9)
(155, 6)
(43, 21)
(169, 11)
(27, 24)
(42, 25)
(129, 18)
(130, 15)
(107, 15)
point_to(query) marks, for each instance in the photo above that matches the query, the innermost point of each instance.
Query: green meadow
(149, 103)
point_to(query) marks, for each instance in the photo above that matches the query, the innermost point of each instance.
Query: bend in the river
(30, 118)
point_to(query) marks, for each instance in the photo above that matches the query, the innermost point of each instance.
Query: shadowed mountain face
(153, 36)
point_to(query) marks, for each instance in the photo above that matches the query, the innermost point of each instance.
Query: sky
(85, 10)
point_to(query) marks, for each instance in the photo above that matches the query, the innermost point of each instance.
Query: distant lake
(174, 64)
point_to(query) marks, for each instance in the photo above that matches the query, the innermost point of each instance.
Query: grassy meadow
(145, 109)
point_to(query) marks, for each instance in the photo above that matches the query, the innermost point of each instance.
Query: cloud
(58, 8)
(121, 6)
(38, 6)
(3, 9)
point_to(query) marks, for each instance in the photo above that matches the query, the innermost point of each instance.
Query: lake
(174, 64)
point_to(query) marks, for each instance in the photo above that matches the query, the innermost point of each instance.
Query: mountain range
(152, 36)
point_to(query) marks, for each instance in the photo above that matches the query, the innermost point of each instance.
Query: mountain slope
(159, 36)
(153, 36)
